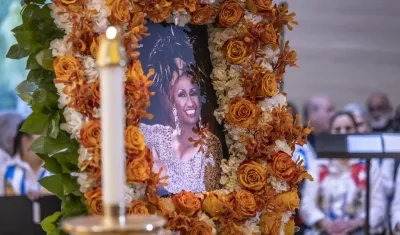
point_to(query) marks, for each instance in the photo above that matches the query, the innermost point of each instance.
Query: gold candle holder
(114, 222)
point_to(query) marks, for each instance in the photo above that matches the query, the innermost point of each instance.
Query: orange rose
(67, 69)
(246, 204)
(95, 90)
(94, 199)
(269, 85)
(256, 6)
(137, 207)
(90, 134)
(120, 12)
(134, 140)
(288, 201)
(282, 166)
(236, 50)
(203, 15)
(270, 223)
(137, 169)
(212, 204)
(158, 10)
(186, 203)
(252, 176)
(200, 228)
(242, 112)
(266, 32)
(230, 13)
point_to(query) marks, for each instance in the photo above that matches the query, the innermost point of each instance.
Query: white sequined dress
(198, 174)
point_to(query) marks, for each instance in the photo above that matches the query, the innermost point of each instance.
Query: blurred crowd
(20, 168)
(335, 201)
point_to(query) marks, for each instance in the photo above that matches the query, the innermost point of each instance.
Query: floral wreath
(259, 181)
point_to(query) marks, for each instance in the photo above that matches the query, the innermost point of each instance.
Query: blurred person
(319, 109)
(380, 111)
(335, 203)
(387, 165)
(310, 162)
(8, 127)
(21, 174)
(395, 207)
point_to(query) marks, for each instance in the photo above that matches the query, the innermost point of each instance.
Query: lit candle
(111, 65)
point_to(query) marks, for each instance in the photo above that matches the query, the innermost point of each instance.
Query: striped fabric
(19, 179)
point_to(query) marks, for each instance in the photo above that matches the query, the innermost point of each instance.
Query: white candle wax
(112, 134)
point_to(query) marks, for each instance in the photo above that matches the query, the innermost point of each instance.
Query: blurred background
(12, 71)
(346, 49)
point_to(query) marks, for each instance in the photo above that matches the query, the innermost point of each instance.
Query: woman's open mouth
(190, 112)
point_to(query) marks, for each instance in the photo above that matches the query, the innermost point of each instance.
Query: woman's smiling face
(186, 100)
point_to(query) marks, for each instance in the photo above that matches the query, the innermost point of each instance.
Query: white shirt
(310, 161)
(19, 175)
(395, 207)
(311, 212)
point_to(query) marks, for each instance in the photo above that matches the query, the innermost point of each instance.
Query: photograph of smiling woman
(184, 103)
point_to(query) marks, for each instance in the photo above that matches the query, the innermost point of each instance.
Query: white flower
(60, 47)
(281, 145)
(86, 183)
(250, 227)
(74, 122)
(84, 155)
(62, 19)
(253, 17)
(91, 71)
(99, 19)
(204, 217)
(268, 103)
(279, 185)
(63, 99)
(134, 192)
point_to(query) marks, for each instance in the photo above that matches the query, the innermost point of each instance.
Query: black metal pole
(367, 204)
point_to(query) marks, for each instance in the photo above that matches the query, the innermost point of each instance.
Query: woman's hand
(157, 165)
(33, 196)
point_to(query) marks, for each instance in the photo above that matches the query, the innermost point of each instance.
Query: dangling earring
(201, 126)
(177, 127)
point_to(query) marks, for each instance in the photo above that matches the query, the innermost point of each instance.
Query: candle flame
(111, 33)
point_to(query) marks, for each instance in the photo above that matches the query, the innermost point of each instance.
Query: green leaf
(26, 87)
(70, 184)
(25, 38)
(18, 29)
(48, 145)
(53, 184)
(40, 95)
(27, 98)
(68, 161)
(31, 12)
(36, 123)
(17, 52)
(45, 59)
(52, 165)
(33, 1)
(49, 224)
(73, 206)
(31, 63)
(54, 127)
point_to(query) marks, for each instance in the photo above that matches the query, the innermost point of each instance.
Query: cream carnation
(85, 182)
(60, 47)
(74, 121)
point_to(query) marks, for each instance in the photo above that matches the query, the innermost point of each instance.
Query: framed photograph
(183, 105)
